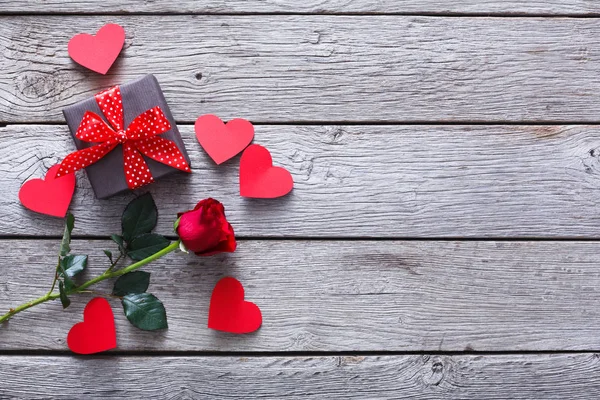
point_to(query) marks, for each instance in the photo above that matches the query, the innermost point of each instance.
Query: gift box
(126, 138)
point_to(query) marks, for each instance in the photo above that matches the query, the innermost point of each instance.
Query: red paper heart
(223, 141)
(98, 52)
(259, 178)
(229, 312)
(51, 196)
(97, 331)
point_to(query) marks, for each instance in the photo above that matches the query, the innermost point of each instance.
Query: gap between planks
(290, 354)
(416, 123)
(338, 238)
(299, 13)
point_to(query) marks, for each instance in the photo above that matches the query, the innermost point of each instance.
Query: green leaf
(109, 255)
(140, 216)
(145, 311)
(72, 265)
(63, 295)
(145, 245)
(132, 283)
(68, 283)
(66, 240)
(118, 239)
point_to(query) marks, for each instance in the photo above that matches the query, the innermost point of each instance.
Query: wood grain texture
(353, 181)
(318, 68)
(552, 377)
(338, 296)
(484, 7)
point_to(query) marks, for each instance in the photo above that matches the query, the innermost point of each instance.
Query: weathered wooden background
(443, 236)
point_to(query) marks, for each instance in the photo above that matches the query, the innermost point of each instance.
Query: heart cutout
(229, 312)
(51, 195)
(98, 52)
(97, 331)
(223, 141)
(259, 178)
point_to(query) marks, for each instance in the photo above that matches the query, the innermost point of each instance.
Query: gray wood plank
(338, 296)
(354, 181)
(318, 68)
(570, 376)
(484, 7)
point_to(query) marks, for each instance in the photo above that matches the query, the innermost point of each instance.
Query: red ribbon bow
(140, 137)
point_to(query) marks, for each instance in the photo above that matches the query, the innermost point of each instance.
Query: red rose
(205, 230)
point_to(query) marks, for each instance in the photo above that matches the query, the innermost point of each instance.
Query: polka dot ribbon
(140, 137)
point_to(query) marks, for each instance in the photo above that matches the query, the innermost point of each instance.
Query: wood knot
(36, 85)
(436, 373)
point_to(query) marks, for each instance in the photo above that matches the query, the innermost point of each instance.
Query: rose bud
(205, 230)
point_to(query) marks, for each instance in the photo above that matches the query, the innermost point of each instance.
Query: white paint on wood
(358, 181)
(386, 181)
(317, 68)
(553, 377)
(337, 296)
(484, 7)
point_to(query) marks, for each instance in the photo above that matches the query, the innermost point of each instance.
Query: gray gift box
(106, 175)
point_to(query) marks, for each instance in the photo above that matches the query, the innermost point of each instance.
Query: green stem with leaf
(55, 277)
(82, 288)
(114, 263)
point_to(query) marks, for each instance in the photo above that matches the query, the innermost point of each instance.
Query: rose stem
(106, 275)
